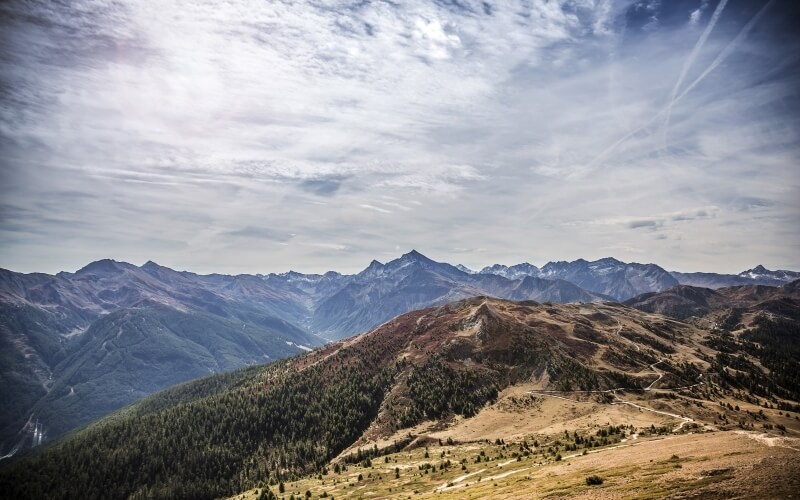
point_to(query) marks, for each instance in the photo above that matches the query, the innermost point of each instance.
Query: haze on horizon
(255, 137)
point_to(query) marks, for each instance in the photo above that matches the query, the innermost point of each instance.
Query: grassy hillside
(649, 465)
(423, 373)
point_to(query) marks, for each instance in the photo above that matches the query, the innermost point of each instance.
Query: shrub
(594, 480)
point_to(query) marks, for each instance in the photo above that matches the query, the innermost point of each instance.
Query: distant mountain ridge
(80, 344)
(758, 275)
(623, 281)
(608, 276)
(413, 281)
(512, 272)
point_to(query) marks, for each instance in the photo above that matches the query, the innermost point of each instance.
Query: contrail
(728, 48)
(711, 67)
(688, 64)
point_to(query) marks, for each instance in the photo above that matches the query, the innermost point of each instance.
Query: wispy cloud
(373, 207)
(531, 130)
(263, 233)
(646, 223)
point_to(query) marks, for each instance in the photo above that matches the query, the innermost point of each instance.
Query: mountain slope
(558, 291)
(218, 436)
(685, 301)
(44, 320)
(611, 277)
(608, 277)
(131, 353)
(69, 350)
(49, 325)
(414, 281)
(759, 275)
(514, 272)
(680, 302)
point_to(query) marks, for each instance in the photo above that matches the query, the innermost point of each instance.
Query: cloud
(650, 224)
(748, 203)
(696, 15)
(433, 41)
(262, 233)
(690, 215)
(430, 125)
(322, 187)
(331, 246)
(373, 207)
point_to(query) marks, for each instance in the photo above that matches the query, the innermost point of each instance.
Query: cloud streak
(180, 129)
(689, 62)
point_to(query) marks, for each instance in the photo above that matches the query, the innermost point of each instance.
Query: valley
(77, 346)
(657, 442)
(466, 249)
(480, 374)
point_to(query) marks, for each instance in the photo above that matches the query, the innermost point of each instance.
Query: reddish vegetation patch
(493, 343)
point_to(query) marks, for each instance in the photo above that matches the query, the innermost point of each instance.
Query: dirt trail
(772, 441)
(618, 400)
(452, 484)
(685, 420)
(657, 372)
(505, 474)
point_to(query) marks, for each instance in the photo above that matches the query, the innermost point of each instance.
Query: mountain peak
(769, 277)
(494, 269)
(414, 256)
(609, 260)
(756, 271)
(102, 266)
(464, 269)
(374, 268)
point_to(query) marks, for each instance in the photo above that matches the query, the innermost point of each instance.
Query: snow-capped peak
(464, 269)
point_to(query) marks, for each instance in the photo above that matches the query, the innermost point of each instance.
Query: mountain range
(686, 301)
(758, 275)
(445, 373)
(79, 345)
(623, 281)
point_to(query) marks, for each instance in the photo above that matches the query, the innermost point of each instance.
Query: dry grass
(715, 465)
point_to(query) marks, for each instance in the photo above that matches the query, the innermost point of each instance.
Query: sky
(253, 136)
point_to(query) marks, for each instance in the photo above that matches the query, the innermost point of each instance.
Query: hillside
(686, 301)
(78, 345)
(382, 291)
(758, 275)
(422, 373)
(632, 462)
(70, 354)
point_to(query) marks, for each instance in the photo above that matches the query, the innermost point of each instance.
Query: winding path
(619, 401)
